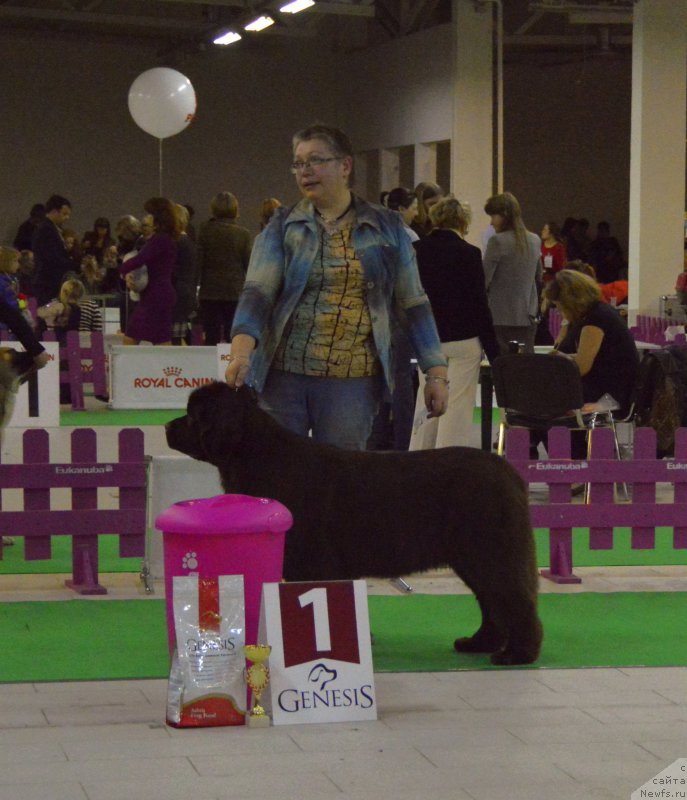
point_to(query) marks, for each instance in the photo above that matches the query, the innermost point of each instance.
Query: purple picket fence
(85, 363)
(643, 514)
(37, 523)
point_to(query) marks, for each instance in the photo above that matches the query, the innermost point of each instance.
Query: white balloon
(162, 101)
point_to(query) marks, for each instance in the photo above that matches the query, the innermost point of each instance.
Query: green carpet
(116, 639)
(621, 555)
(13, 563)
(124, 417)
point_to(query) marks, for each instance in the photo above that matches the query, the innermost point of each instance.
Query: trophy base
(258, 721)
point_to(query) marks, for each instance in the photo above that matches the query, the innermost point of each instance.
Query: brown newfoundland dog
(381, 514)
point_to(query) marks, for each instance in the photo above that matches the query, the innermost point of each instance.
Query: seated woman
(597, 339)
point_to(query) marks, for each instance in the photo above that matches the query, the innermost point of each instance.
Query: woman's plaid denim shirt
(280, 263)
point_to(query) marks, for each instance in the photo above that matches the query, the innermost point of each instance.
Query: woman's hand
(238, 363)
(436, 392)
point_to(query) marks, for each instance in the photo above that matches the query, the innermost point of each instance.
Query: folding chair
(536, 392)
(540, 391)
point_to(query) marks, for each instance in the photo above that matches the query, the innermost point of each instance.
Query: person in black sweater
(51, 259)
(453, 278)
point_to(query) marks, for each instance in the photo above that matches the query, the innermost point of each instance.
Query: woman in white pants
(453, 278)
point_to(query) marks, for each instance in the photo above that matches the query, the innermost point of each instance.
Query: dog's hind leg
(490, 637)
(518, 614)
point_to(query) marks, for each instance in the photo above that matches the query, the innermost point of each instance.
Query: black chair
(537, 392)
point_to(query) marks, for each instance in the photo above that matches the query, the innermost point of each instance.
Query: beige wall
(567, 128)
(567, 141)
(65, 127)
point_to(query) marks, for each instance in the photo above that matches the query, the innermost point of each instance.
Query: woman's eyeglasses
(312, 163)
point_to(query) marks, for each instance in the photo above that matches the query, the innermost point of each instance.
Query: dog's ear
(216, 411)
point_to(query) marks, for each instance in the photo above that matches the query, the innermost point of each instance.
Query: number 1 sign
(321, 660)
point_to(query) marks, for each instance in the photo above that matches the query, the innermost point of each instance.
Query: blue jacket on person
(280, 263)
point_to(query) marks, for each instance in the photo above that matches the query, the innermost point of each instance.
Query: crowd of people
(328, 306)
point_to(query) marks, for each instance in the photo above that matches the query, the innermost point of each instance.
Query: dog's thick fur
(360, 514)
(15, 367)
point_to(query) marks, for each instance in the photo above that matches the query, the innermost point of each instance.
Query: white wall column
(657, 161)
(388, 170)
(425, 163)
(472, 135)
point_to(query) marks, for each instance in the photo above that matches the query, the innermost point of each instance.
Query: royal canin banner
(158, 377)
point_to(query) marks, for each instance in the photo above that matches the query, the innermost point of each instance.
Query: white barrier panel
(321, 659)
(172, 479)
(223, 350)
(158, 377)
(38, 400)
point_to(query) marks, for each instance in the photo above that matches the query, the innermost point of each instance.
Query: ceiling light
(227, 38)
(259, 24)
(296, 6)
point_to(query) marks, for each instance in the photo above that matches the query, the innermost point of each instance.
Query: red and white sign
(321, 659)
(158, 377)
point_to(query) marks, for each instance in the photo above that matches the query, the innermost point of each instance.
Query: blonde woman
(597, 338)
(452, 275)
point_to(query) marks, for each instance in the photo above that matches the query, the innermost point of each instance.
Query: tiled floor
(532, 734)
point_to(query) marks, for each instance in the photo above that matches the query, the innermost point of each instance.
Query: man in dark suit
(50, 255)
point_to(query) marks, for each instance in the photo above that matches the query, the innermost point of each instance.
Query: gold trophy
(257, 677)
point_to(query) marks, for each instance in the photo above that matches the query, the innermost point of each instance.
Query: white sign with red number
(321, 659)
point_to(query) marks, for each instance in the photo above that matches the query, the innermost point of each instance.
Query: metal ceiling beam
(545, 40)
(343, 9)
(529, 23)
(131, 20)
(586, 13)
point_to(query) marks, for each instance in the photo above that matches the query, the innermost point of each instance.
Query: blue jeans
(338, 411)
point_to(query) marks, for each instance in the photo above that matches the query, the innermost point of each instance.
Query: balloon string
(160, 152)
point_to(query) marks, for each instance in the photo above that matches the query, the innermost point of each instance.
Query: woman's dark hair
(554, 230)
(102, 222)
(164, 216)
(506, 206)
(399, 198)
(426, 191)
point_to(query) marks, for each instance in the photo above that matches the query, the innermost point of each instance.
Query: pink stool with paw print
(231, 534)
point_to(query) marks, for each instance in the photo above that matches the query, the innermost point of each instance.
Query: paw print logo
(190, 560)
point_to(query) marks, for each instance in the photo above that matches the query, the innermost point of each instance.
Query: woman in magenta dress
(152, 319)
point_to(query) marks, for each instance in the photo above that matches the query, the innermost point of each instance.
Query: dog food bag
(206, 683)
